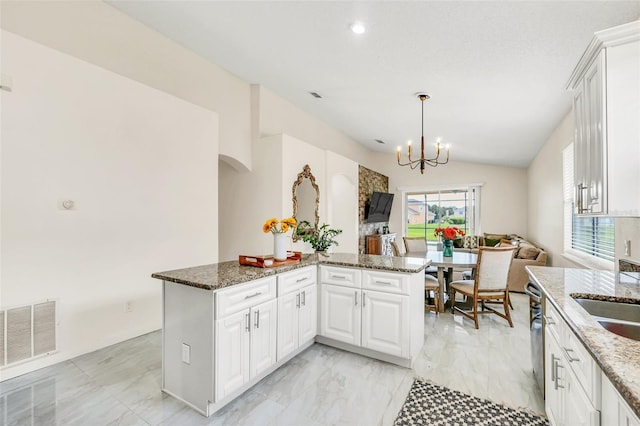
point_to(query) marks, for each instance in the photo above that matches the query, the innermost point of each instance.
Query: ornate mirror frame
(305, 174)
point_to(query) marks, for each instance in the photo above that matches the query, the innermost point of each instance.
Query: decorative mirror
(306, 197)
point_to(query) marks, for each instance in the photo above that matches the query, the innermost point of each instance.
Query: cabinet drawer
(243, 296)
(553, 322)
(582, 365)
(293, 280)
(388, 282)
(345, 277)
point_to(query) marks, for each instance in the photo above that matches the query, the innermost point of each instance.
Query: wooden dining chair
(488, 285)
(418, 245)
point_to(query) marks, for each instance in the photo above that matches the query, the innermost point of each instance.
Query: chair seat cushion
(431, 281)
(466, 287)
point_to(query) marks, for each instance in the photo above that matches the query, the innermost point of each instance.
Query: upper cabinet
(606, 107)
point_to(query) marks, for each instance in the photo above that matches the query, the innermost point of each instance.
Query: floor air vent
(27, 332)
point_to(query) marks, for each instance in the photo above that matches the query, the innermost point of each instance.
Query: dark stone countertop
(225, 274)
(617, 356)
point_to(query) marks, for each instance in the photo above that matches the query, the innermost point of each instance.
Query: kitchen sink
(624, 329)
(620, 318)
(613, 310)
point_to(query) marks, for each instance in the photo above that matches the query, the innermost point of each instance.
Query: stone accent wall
(368, 182)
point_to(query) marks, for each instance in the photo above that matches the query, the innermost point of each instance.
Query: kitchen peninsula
(227, 326)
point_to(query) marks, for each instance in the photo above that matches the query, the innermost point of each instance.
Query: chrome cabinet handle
(257, 293)
(363, 300)
(248, 326)
(557, 384)
(298, 300)
(355, 297)
(549, 320)
(383, 282)
(340, 277)
(299, 280)
(569, 357)
(553, 368)
(258, 319)
(304, 298)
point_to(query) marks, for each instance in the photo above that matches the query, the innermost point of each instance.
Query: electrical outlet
(128, 307)
(627, 247)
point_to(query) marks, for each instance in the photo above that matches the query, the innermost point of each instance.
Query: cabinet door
(232, 353)
(340, 313)
(596, 149)
(308, 314)
(580, 171)
(578, 410)
(385, 323)
(287, 324)
(554, 373)
(263, 337)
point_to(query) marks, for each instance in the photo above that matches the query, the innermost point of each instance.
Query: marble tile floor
(120, 384)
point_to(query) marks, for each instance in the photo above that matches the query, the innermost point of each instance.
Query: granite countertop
(226, 274)
(618, 357)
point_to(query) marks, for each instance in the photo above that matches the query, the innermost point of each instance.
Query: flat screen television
(379, 207)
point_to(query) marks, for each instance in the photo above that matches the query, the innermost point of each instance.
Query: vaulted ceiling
(495, 71)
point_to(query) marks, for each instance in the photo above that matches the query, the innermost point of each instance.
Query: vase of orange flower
(447, 235)
(279, 229)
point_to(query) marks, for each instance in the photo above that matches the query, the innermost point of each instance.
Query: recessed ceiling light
(357, 28)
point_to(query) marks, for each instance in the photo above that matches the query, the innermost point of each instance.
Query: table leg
(441, 288)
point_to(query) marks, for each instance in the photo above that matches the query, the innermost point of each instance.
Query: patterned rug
(429, 404)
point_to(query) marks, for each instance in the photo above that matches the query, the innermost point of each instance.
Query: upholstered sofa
(526, 254)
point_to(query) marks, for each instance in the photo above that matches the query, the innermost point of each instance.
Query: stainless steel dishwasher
(537, 332)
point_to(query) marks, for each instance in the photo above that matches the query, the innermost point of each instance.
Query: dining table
(446, 265)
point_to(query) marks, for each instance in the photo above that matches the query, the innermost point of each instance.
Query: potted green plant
(320, 239)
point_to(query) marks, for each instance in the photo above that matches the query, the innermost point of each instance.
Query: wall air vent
(316, 95)
(27, 332)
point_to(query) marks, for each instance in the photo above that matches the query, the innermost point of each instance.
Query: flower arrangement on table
(279, 228)
(271, 225)
(448, 234)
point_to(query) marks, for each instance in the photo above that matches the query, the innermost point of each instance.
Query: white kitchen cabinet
(384, 320)
(245, 337)
(340, 315)
(378, 312)
(297, 310)
(572, 378)
(606, 104)
(615, 411)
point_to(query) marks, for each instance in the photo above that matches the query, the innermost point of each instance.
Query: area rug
(429, 404)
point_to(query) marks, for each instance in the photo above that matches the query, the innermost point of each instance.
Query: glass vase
(447, 248)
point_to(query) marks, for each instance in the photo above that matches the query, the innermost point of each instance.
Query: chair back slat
(492, 270)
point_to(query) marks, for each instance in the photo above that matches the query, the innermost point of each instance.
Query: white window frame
(474, 213)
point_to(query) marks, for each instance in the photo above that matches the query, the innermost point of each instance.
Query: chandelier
(433, 162)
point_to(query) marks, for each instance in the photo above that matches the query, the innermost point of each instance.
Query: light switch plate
(186, 353)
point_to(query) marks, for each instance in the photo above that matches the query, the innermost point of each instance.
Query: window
(426, 210)
(584, 235)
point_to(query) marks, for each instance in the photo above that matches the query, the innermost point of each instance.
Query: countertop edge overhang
(226, 274)
(617, 356)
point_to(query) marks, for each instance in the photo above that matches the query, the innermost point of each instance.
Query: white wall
(503, 194)
(141, 166)
(100, 34)
(546, 210)
(248, 199)
(342, 200)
